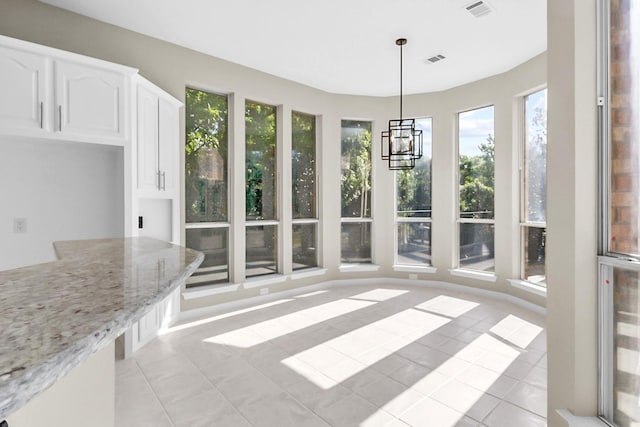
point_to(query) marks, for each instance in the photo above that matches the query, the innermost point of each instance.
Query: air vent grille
(434, 59)
(478, 9)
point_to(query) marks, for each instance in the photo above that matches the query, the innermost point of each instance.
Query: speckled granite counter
(55, 315)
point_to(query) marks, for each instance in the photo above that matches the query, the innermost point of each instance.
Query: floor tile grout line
(146, 380)
(235, 408)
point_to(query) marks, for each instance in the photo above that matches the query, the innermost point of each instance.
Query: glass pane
(626, 350)
(304, 246)
(356, 169)
(535, 157)
(414, 243)
(262, 249)
(356, 242)
(260, 121)
(535, 242)
(625, 127)
(476, 247)
(414, 185)
(476, 167)
(303, 165)
(205, 156)
(213, 242)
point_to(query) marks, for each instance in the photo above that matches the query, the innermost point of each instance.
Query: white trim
(261, 222)
(305, 221)
(529, 287)
(417, 219)
(207, 291)
(415, 268)
(355, 219)
(574, 421)
(196, 225)
(357, 268)
(310, 272)
(476, 220)
(470, 274)
(379, 281)
(259, 281)
(625, 263)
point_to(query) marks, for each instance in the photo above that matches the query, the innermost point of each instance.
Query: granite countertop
(55, 315)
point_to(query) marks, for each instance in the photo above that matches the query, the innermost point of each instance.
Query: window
(206, 184)
(476, 178)
(304, 189)
(619, 272)
(355, 236)
(261, 184)
(533, 175)
(413, 206)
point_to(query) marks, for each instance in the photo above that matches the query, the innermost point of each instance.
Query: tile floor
(344, 356)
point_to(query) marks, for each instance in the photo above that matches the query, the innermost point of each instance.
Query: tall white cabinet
(48, 94)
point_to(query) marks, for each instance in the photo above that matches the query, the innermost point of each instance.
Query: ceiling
(342, 46)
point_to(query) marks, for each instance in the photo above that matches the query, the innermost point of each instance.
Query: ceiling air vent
(478, 9)
(434, 59)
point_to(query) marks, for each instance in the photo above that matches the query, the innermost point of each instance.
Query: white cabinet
(53, 94)
(23, 89)
(90, 101)
(158, 141)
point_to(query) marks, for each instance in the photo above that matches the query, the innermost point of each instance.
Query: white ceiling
(342, 46)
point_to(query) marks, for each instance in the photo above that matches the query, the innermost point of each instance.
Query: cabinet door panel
(147, 140)
(168, 141)
(90, 101)
(22, 86)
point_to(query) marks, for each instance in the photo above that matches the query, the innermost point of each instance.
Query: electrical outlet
(264, 291)
(19, 225)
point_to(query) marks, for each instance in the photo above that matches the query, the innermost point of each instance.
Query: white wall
(65, 191)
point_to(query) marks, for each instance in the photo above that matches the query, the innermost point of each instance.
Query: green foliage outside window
(205, 156)
(477, 182)
(303, 165)
(260, 161)
(356, 169)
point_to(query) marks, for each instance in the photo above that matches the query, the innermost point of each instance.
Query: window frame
(277, 200)
(523, 223)
(406, 219)
(360, 219)
(459, 220)
(315, 220)
(197, 281)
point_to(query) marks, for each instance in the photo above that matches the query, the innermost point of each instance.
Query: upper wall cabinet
(90, 100)
(23, 88)
(55, 94)
(158, 141)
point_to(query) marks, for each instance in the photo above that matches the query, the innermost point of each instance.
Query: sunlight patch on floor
(448, 306)
(516, 330)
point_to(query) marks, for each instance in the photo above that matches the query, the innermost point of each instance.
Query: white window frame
(524, 224)
(198, 281)
(459, 220)
(403, 219)
(316, 220)
(361, 219)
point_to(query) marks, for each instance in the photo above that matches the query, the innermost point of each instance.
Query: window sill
(264, 281)
(358, 268)
(415, 268)
(470, 274)
(529, 287)
(209, 290)
(574, 421)
(311, 272)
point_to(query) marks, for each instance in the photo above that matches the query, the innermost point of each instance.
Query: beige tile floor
(344, 356)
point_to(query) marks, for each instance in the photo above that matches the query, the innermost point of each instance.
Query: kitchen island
(55, 316)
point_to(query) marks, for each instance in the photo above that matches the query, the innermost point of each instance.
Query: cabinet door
(89, 101)
(22, 89)
(147, 152)
(169, 142)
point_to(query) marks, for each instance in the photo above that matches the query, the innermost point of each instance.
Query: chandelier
(401, 143)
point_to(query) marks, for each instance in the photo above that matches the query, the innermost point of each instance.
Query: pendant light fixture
(401, 143)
